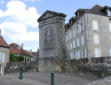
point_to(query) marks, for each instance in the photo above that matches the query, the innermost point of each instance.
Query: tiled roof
(21, 51)
(15, 51)
(14, 45)
(3, 43)
(97, 9)
(27, 53)
(18, 50)
(34, 53)
(51, 12)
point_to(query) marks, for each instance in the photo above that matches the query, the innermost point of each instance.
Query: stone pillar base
(49, 65)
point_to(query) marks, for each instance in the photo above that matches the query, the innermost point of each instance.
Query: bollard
(21, 72)
(52, 78)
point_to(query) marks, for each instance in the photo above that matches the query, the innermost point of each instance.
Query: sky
(18, 18)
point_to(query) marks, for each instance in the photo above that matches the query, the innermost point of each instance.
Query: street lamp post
(21, 72)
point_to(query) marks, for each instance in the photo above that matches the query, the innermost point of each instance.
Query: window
(84, 53)
(2, 57)
(71, 54)
(77, 30)
(67, 46)
(77, 14)
(96, 39)
(70, 45)
(66, 38)
(110, 27)
(73, 32)
(82, 40)
(109, 12)
(78, 55)
(95, 25)
(74, 54)
(97, 52)
(110, 51)
(70, 35)
(82, 25)
(74, 45)
(77, 42)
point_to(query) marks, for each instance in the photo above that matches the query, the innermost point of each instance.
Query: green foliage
(15, 58)
(20, 58)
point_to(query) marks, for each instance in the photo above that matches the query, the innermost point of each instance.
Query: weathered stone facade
(51, 43)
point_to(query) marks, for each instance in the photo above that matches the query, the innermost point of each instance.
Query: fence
(14, 67)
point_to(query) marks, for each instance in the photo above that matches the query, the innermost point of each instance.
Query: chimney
(22, 45)
(0, 33)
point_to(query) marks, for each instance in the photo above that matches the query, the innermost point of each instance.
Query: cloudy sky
(18, 18)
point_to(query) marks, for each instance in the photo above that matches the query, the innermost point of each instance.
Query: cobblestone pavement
(38, 78)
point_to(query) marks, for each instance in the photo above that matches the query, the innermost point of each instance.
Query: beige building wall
(4, 50)
(103, 32)
(99, 46)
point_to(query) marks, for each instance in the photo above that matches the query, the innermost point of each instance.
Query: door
(0, 70)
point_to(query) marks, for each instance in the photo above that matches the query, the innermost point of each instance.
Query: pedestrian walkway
(38, 78)
(104, 81)
(12, 80)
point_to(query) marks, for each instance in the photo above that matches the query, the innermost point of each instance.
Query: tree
(13, 58)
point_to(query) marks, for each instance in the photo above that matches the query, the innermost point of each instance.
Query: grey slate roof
(51, 12)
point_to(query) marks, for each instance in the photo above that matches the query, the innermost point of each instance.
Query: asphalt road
(38, 78)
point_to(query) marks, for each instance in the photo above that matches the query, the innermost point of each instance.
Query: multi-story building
(88, 34)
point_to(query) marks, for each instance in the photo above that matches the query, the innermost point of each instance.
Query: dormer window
(109, 12)
(77, 14)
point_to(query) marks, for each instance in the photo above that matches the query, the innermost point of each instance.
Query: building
(51, 43)
(35, 56)
(88, 34)
(18, 50)
(4, 54)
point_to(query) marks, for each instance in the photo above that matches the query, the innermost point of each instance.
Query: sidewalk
(11, 80)
(39, 78)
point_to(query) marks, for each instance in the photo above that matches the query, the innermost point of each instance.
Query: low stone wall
(100, 67)
(14, 67)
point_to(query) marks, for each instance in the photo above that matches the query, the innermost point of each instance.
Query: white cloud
(16, 27)
(33, 0)
(17, 19)
(1, 13)
(31, 36)
(17, 11)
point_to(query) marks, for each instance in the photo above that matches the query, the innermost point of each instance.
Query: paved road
(37, 78)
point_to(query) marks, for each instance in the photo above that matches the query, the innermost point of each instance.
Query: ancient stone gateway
(51, 41)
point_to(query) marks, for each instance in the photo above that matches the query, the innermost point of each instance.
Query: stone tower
(51, 41)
